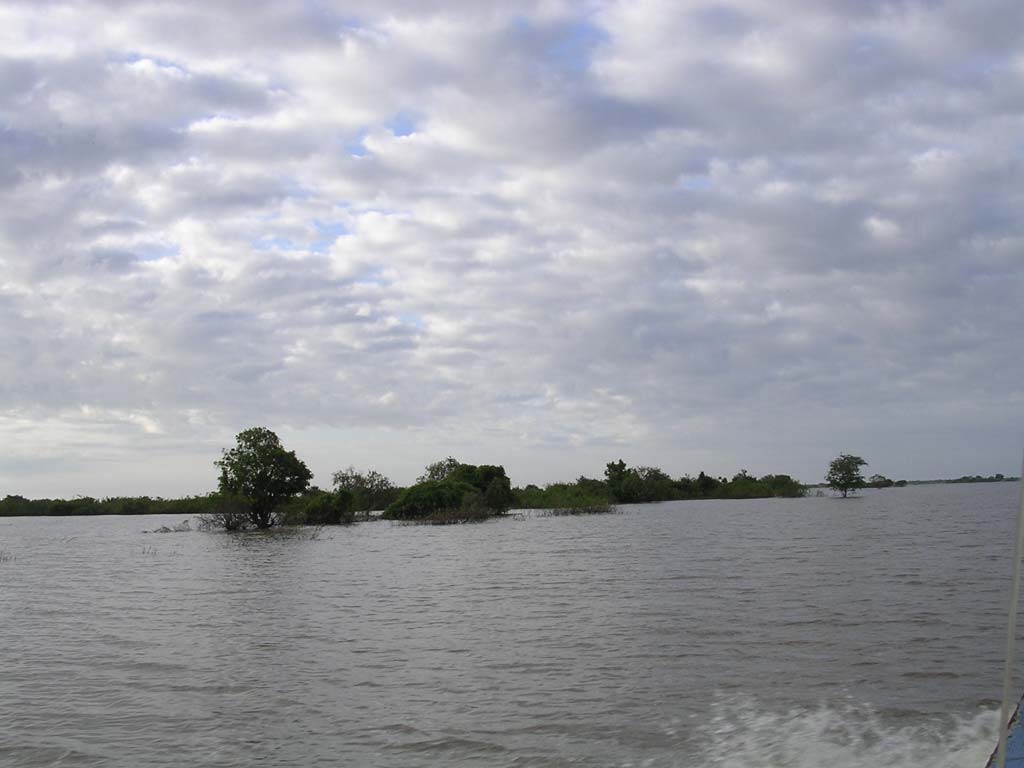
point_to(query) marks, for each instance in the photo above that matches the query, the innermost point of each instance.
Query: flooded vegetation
(261, 484)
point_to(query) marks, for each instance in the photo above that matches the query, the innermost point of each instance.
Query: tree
(844, 473)
(477, 491)
(623, 482)
(440, 470)
(262, 472)
(316, 507)
(490, 480)
(370, 490)
(429, 497)
(880, 481)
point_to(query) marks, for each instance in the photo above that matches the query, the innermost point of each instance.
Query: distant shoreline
(948, 481)
(194, 505)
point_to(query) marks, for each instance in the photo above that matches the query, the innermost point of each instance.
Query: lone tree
(262, 472)
(844, 473)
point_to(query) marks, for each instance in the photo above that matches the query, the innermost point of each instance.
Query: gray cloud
(729, 235)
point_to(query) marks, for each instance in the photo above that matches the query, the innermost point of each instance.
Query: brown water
(808, 632)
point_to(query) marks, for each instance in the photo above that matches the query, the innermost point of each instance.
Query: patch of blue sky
(402, 124)
(327, 233)
(416, 321)
(133, 57)
(355, 146)
(573, 48)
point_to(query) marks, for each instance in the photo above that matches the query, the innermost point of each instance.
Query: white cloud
(881, 228)
(546, 237)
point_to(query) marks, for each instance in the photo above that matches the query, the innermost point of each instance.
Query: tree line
(623, 484)
(261, 484)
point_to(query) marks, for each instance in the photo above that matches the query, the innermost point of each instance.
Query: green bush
(427, 498)
(584, 492)
(319, 508)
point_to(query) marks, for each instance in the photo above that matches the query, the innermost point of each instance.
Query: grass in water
(583, 509)
(452, 517)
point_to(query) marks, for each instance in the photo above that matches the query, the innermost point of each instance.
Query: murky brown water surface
(801, 632)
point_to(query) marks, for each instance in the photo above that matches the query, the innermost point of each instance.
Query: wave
(847, 735)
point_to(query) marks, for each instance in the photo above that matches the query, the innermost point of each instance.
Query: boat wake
(844, 736)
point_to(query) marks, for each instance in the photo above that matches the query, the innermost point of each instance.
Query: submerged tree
(453, 489)
(262, 472)
(844, 473)
(370, 490)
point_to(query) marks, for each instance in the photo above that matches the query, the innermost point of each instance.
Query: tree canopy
(844, 473)
(440, 470)
(370, 490)
(262, 472)
(450, 485)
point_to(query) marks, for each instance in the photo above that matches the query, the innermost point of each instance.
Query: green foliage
(452, 485)
(583, 493)
(259, 469)
(880, 481)
(706, 485)
(316, 507)
(583, 509)
(782, 485)
(490, 480)
(996, 478)
(617, 477)
(460, 492)
(370, 490)
(637, 485)
(440, 470)
(634, 485)
(19, 506)
(470, 513)
(427, 498)
(844, 473)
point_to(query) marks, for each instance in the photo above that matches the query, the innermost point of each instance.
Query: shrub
(585, 509)
(225, 511)
(319, 508)
(427, 498)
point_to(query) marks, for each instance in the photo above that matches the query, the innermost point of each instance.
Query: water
(808, 632)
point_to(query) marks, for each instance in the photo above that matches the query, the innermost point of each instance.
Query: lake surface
(797, 632)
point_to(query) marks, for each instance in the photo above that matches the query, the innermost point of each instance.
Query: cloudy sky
(698, 235)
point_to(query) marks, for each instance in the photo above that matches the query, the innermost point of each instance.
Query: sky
(696, 235)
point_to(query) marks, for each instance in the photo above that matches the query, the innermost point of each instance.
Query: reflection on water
(750, 633)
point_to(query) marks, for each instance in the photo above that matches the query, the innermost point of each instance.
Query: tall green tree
(262, 472)
(844, 473)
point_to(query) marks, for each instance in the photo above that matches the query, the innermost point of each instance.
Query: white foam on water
(846, 735)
